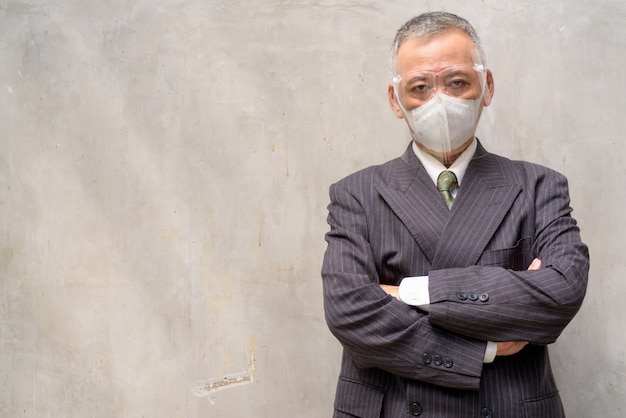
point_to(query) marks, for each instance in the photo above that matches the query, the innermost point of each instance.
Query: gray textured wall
(164, 168)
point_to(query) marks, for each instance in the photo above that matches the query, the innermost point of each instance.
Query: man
(490, 267)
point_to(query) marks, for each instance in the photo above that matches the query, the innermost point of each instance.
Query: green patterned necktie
(445, 183)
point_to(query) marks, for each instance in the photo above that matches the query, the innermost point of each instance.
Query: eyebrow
(457, 72)
(418, 78)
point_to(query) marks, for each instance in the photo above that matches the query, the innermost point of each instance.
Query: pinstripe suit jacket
(388, 222)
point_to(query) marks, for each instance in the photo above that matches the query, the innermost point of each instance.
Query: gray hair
(429, 24)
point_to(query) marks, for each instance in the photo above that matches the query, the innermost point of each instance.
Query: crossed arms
(378, 330)
(502, 348)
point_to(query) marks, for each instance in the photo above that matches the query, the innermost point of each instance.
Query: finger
(390, 290)
(535, 265)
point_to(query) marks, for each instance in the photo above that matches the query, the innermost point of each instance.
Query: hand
(510, 348)
(391, 290)
(535, 265)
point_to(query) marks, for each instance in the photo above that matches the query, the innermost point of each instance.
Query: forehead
(435, 52)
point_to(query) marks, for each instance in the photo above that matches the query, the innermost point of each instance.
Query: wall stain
(208, 388)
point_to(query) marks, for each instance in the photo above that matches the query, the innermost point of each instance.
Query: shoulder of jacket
(524, 168)
(372, 174)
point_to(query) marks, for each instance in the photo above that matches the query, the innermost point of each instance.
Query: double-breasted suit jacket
(388, 222)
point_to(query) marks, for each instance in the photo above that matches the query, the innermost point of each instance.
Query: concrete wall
(164, 168)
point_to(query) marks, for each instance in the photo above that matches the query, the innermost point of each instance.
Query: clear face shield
(445, 105)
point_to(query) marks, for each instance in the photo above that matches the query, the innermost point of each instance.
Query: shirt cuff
(490, 352)
(414, 291)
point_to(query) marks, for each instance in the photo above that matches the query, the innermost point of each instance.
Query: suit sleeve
(532, 306)
(375, 329)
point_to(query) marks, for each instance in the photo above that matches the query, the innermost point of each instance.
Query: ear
(490, 89)
(393, 102)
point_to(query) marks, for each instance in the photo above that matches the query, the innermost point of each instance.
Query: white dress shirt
(414, 290)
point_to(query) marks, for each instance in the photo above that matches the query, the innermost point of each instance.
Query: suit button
(437, 360)
(484, 297)
(473, 297)
(415, 409)
(447, 362)
(486, 413)
(461, 296)
(426, 358)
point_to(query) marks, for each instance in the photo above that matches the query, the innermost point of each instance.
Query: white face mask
(444, 123)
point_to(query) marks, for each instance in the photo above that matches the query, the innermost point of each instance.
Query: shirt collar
(434, 167)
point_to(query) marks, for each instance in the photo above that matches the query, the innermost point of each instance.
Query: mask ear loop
(404, 111)
(484, 91)
(396, 98)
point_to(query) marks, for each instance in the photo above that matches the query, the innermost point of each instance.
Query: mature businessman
(449, 270)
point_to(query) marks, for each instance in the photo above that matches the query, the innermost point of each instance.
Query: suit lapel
(411, 195)
(457, 237)
(484, 200)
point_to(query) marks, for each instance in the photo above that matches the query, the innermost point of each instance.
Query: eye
(457, 83)
(419, 88)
